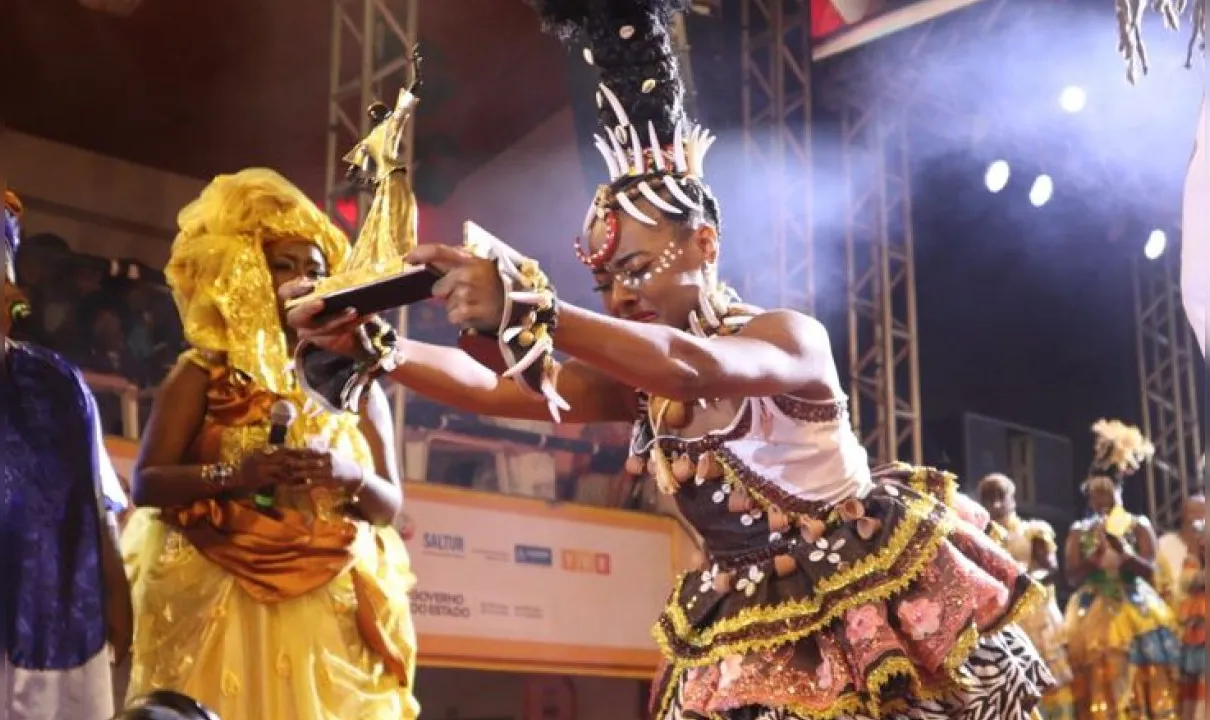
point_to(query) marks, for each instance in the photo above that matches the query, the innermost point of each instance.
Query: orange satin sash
(272, 558)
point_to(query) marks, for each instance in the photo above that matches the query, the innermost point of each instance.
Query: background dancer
(827, 593)
(1181, 579)
(63, 595)
(1120, 633)
(1032, 544)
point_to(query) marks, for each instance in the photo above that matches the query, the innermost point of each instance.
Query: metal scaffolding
(776, 103)
(1168, 364)
(370, 61)
(371, 53)
(884, 365)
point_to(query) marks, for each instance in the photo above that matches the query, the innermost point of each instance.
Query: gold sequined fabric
(220, 278)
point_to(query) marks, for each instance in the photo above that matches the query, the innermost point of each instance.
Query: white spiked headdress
(629, 153)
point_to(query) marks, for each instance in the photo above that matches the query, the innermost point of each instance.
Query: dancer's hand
(1100, 548)
(338, 334)
(1115, 542)
(470, 287)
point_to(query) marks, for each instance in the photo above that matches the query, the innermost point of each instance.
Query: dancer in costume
(268, 583)
(1181, 579)
(63, 594)
(828, 592)
(1120, 633)
(1032, 544)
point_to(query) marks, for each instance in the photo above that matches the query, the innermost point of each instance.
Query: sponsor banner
(516, 582)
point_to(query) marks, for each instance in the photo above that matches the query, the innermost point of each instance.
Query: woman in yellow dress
(1032, 544)
(267, 584)
(1182, 581)
(1121, 636)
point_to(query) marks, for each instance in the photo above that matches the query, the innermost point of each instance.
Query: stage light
(996, 177)
(1072, 99)
(1156, 242)
(1041, 191)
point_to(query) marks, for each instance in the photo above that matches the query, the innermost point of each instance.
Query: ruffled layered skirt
(893, 606)
(1124, 653)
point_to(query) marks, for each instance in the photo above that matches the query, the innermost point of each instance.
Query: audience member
(91, 310)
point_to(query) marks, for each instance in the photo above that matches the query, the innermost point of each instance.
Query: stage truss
(371, 56)
(776, 104)
(1168, 362)
(371, 53)
(884, 364)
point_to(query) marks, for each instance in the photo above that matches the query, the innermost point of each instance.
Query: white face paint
(672, 251)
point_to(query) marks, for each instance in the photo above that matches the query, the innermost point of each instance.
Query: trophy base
(404, 288)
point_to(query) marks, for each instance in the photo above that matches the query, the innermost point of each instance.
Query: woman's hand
(119, 612)
(268, 466)
(338, 334)
(470, 287)
(119, 623)
(327, 468)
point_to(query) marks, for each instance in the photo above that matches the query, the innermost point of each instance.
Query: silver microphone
(281, 416)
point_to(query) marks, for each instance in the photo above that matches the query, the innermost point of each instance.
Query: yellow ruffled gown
(302, 617)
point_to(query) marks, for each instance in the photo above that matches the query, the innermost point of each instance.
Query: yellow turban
(219, 275)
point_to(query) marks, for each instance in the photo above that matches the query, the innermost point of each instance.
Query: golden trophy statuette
(375, 277)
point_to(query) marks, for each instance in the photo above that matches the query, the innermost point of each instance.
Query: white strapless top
(820, 461)
(806, 448)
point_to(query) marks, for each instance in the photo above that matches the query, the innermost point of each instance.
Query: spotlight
(1072, 99)
(1041, 191)
(1156, 242)
(996, 176)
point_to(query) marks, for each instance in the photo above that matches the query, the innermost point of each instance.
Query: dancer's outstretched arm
(777, 352)
(452, 377)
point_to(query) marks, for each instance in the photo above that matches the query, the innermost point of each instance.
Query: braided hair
(640, 107)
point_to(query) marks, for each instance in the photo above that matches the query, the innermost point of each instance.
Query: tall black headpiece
(646, 140)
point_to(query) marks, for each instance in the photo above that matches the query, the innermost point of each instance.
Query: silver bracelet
(218, 475)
